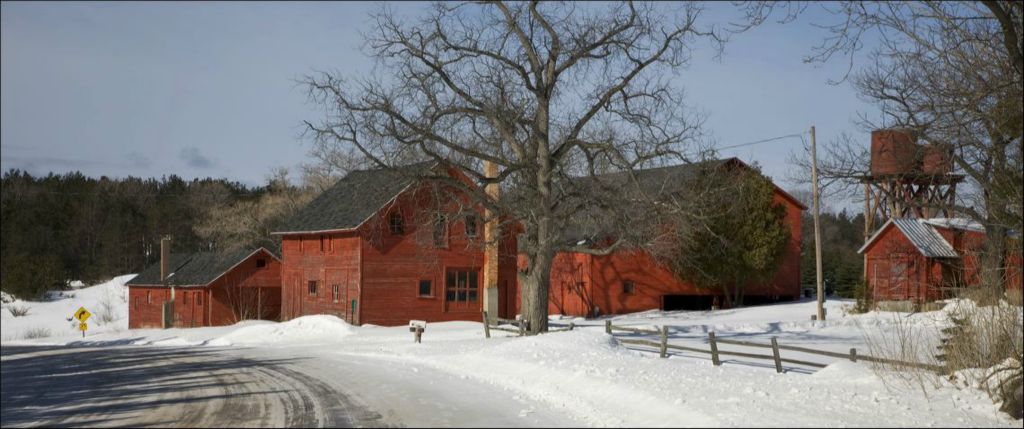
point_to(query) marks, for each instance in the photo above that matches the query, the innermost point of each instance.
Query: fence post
(664, 341)
(487, 326)
(853, 355)
(714, 349)
(572, 325)
(608, 327)
(775, 351)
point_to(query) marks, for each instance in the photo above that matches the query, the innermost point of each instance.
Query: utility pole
(817, 226)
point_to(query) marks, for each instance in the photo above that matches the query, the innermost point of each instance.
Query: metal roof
(921, 234)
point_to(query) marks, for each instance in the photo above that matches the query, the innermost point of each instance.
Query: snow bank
(303, 330)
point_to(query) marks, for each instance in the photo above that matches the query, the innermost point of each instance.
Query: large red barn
(211, 289)
(630, 281)
(378, 247)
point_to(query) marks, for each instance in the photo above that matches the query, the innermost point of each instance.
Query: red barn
(211, 289)
(378, 247)
(629, 281)
(922, 260)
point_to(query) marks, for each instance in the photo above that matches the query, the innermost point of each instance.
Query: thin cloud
(193, 158)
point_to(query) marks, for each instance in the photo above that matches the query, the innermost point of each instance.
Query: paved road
(218, 387)
(152, 386)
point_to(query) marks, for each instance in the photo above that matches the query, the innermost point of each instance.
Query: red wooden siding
(582, 283)
(896, 270)
(213, 304)
(380, 272)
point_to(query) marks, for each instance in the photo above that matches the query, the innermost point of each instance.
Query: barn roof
(353, 199)
(196, 269)
(920, 233)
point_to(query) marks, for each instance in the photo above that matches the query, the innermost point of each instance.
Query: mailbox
(417, 327)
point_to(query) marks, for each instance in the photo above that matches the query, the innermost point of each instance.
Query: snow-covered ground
(108, 303)
(591, 378)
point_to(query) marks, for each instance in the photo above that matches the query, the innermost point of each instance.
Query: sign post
(82, 315)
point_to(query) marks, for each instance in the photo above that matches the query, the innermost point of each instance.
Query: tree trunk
(534, 294)
(727, 294)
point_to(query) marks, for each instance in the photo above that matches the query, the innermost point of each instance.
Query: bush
(18, 310)
(33, 333)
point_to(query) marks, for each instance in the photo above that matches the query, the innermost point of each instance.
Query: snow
(594, 380)
(108, 303)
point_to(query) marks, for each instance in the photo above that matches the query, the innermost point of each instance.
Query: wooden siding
(210, 305)
(582, 284)
(379, 272)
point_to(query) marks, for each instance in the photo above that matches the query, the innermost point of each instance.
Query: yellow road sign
(82, 326)
(82, 315)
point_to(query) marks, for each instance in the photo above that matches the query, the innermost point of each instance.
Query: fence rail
(492, 323)
(776, 348)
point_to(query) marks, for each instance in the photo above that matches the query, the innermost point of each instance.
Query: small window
(260, 263)
(323, 244)
(425, 289)
(395, 225)
(471, 226)
(440, 230)
(312, 287)
(335, 292)
(628, 287)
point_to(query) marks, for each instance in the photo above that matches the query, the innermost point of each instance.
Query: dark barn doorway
(686, 302)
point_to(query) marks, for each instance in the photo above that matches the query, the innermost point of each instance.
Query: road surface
(217, 387)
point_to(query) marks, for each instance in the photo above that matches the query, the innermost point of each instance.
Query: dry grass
(18, 310)
(33, 333)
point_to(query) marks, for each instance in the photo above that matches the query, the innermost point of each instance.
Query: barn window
(471, 226)
(395, 225)
(335, 292)
(312, 287)
(461, 286)
(260, 263)
(323, 244)
(440, 230)
(628, 287)
(426, 289)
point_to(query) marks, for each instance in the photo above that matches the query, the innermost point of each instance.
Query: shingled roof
(195, 269)
(353, 199)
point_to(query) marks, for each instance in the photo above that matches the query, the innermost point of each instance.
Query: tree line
(60, 227)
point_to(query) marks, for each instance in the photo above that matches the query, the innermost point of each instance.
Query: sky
(209, 89)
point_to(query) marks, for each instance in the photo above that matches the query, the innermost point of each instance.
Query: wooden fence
(713, 342)
(520, 326)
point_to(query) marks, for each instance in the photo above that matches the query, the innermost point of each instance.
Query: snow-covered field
(593, 379)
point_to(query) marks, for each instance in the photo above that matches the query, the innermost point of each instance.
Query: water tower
(907, 179)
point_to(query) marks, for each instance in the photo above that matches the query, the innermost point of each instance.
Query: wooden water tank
(894, 151)
(937, 159)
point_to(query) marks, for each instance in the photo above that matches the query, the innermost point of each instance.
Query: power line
(799, 135)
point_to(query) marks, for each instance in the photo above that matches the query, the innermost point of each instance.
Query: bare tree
(548, 92)
(952, 73)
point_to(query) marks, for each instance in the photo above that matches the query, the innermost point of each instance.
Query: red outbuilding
(630, 280)
(923, 260)
(382, 248)
(210, 289)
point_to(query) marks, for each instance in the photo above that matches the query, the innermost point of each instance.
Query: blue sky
(208, 89)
